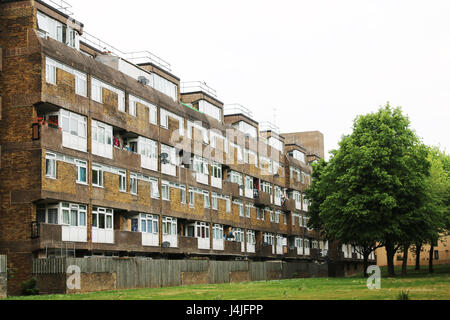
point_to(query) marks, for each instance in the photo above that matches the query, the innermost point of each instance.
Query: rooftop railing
(194, 86)
(137, 57)
(269, 126)
(60, 5)
(230, 109)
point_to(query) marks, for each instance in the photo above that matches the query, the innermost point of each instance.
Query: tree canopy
(372, 187)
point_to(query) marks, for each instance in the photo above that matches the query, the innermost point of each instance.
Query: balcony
(188, 244)
(289, 205)
(50, 137)
(266, 251)
(262, 199)
(233, 247)
(231, 188)
(125, 157)
(315, 253)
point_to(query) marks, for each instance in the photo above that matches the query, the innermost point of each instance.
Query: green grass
(417, 285)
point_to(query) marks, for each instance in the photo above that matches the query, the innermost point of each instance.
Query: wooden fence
(148, 273)
(2, 264)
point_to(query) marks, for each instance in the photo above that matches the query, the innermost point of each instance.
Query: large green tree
(368, 193)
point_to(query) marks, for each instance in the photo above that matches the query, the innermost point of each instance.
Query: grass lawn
(420, 285)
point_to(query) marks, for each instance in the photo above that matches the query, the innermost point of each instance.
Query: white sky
(320, 63)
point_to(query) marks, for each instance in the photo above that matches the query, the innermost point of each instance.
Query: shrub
(29, 288)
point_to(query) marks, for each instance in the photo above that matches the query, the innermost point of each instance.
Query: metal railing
(60, 5)
(137, 57)
(237, 109)
(193, 86)
(268, 126)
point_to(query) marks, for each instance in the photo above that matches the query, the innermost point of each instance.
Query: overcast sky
(319, 63)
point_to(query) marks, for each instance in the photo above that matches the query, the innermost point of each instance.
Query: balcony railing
(236, 108)
(137, 57)
(194, 86)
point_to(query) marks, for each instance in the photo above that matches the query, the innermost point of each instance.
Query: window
(74, 129)
(228, 204)
(277, 195)
(97, 87)
(276, 144)
(102, 218)
(268, 238)
(74, 215)
(149, 223)
(210, 109)
(102, 139)
(165, 191)
(169, 226)
(248, 210)
(251, 238)
(305, 203)
(154, 188)
(300, 156)
(133, 184)
(122, 181)
(183, 195)
(58, 31)
(191, 198)
(80, 77)
(202, 230)
(97, 176)
(165, 86)
(81, 171)
(238, 235)
(164, 120)
(248, 183)
(148, 149)
(436, 255)
(247, 129)
(236, 177)
(215, 201)
(206, 199)
(216, 170)
(200, 165)
(218, 232)
(50, 165)
(241, 207)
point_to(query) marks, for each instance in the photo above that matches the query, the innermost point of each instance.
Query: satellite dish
(143, 80)
(166, 244)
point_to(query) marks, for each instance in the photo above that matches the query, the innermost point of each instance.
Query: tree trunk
(430, 265)
(405, 259)
(390, 253)
(366, 263)
(418, 250)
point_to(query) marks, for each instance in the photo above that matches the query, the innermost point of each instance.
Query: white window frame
(80, 164)
(50, 158)
(100, 173)
(134, 186)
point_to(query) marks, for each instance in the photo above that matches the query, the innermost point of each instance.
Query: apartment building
(105, 153)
